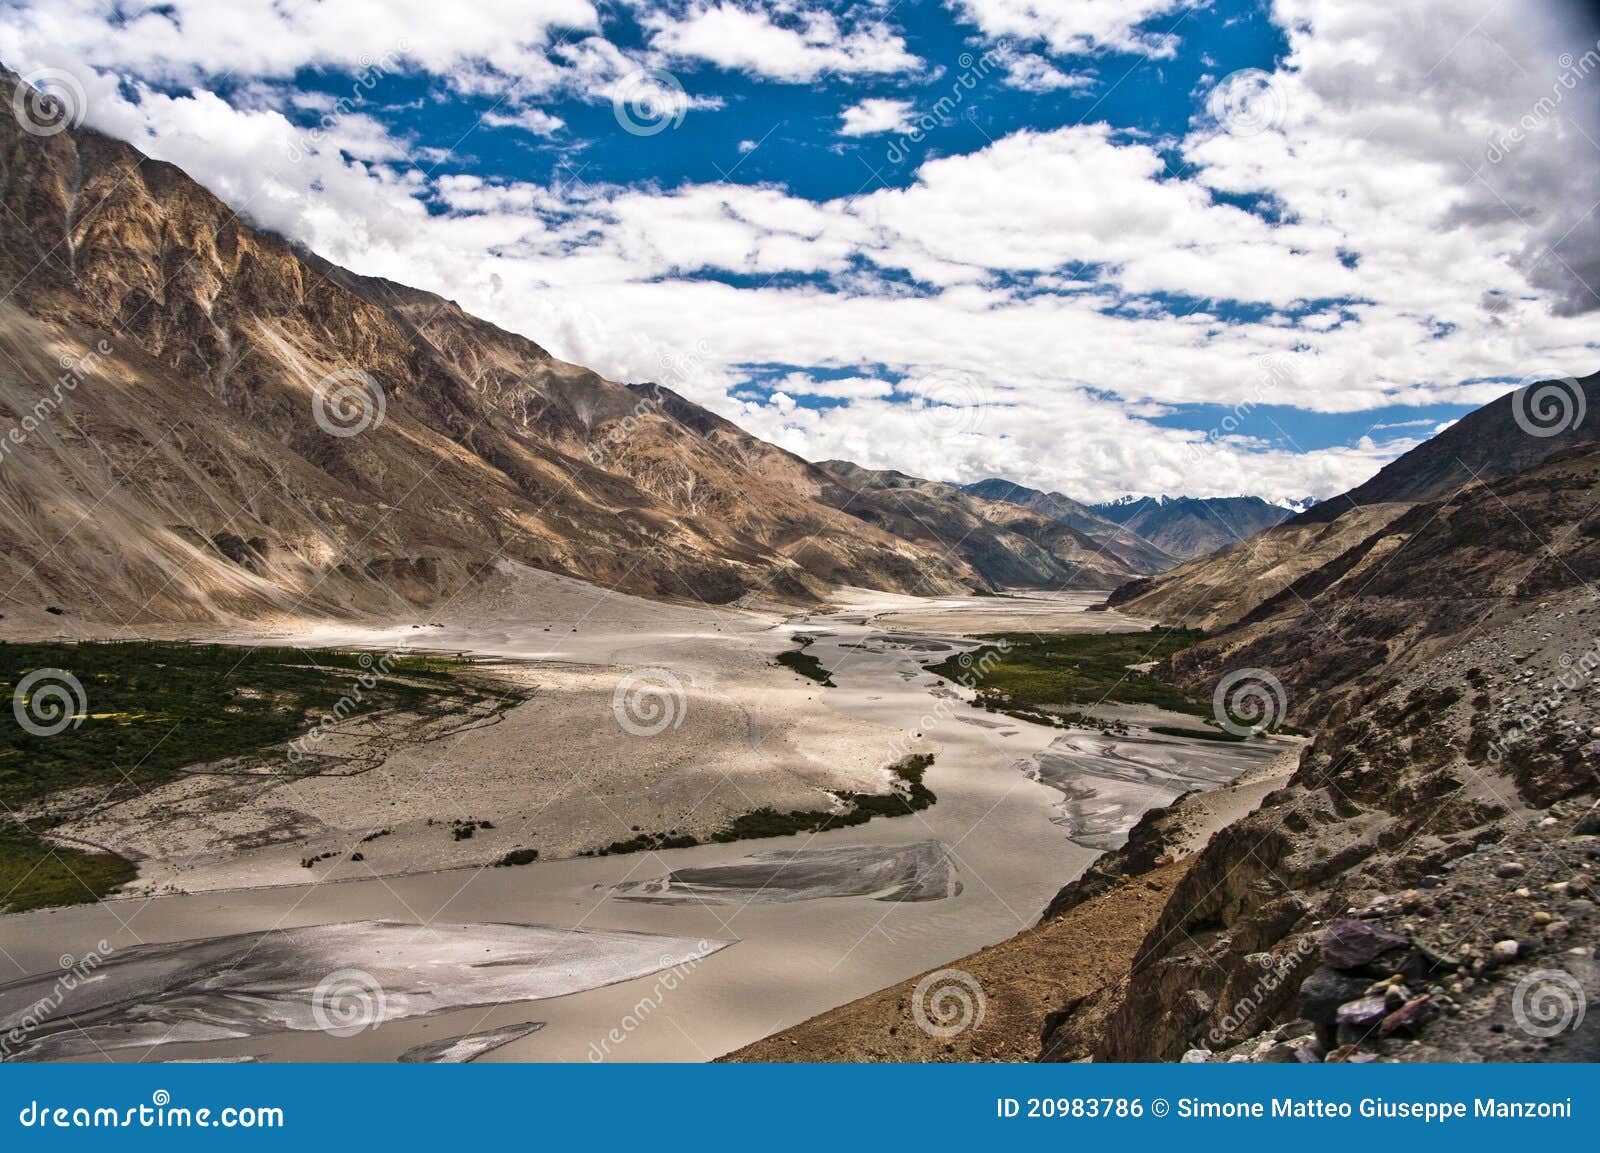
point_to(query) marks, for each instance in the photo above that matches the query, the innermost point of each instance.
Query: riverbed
(750, 941)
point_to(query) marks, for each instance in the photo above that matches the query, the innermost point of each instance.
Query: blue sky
(1150, 246)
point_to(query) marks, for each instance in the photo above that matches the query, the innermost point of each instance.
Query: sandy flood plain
(777, 939)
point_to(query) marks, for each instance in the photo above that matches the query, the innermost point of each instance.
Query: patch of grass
(38, 875)
(802, 662)
(1034, 676)
(908, 795)
(150, 708)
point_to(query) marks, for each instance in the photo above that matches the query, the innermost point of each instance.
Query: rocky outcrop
(175, 378)
(1448, 666)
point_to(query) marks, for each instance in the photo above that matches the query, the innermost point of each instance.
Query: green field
(136, 712)
(1048, 677)
(908, 795)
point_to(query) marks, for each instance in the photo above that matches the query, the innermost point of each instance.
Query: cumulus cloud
(1084, 280)
(777, 40)
(875, 116)
(1080, 27)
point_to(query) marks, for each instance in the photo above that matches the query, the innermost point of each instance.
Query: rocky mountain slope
(1490, 443)
(1129, 547)
(1188, 527)
(1424, 886)
(199, 422)
(1007, 544)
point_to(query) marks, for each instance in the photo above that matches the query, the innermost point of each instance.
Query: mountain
(206, 423)
(1132, 550)
(1446, 662)
(1509, 435)
(1487, 444)
(1188, 527)
(1007, 544)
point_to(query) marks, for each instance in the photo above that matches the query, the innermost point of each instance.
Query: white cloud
(534, 121)
(1044, 260)
(875, 116)
(1080, 26)
(777, 40)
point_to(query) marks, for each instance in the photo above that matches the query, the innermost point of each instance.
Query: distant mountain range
(1489, 444)
(1165, 529)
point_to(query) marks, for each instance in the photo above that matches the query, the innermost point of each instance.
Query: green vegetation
(1197, 734)
(517, 857)
(907, 796)
(806, 665)
(1040, 678)
(36, 875)
(136, 712)
(150, 708)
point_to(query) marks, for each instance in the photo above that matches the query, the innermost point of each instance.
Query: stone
(1542, 918)
(1506, 870)
(1196, 1057)
(1558, 928)
(1588, 825)
(1410, 1017)
(1324, 991)
(1582, 907)
(1504, 951)
(1363, 1011)
(1350, 944)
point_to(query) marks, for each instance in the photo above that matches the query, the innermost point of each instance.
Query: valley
(785, 932)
